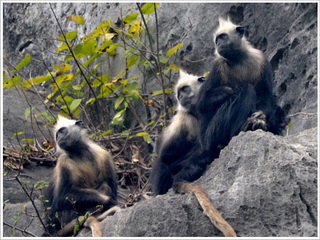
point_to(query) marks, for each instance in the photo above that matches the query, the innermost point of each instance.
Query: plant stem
(73, 55)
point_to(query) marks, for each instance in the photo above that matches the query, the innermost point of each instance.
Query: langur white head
(229, 40)
(187, 89)
(69, 134)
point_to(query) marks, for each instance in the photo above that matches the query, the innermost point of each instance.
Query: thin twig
(159, 68)
(72, 53)
(32, 202)
(19, 229)
(60, 92)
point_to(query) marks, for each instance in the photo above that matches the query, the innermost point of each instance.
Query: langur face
(187, 93)
(228, 43)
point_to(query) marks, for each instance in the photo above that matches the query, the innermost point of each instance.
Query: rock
(290, 46)
(264, 186)
(22, 220)
(29, 176)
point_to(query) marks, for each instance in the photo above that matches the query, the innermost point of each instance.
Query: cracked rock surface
(264, 186)
(289, 40)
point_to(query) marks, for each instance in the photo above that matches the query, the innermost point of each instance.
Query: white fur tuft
(225, 26)
(186, 79)
(64, 122)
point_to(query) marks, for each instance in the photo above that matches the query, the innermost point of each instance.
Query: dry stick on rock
(207, 206)
(92, 222)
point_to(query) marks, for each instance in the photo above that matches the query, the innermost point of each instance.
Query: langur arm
(68, 194)
(211, 99)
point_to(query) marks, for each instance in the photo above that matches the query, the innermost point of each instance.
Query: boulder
(263, 185)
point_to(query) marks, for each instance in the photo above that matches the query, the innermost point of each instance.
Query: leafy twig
(72, 53)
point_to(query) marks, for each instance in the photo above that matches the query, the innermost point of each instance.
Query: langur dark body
(178, 146)
(84, 179)
(237, 95)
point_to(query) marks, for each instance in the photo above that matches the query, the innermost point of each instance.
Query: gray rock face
(20, 220)
(286, 32)
(264, 186)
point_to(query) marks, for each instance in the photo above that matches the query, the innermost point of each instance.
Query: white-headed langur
(237, 95)
(83, 189)
(178, 143)
(180, 160)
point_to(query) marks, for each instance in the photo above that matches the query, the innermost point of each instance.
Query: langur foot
(256, 121)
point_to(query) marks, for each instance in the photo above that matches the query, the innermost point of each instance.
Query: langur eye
(62, 131)
(79, 123)
(222, 36)
(201, 79)
(240, 30)
(184, 91)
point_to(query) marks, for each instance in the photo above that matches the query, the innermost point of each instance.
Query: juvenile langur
(237, 94)
(180, 161)
(178, 143)
(83, 189)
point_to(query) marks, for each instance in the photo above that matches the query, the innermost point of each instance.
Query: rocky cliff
(286, 32)
(264, 185)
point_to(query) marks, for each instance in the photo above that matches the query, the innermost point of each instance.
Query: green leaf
(77, 18)
(91, 101)
(16, 219)
(65, 67)
(132, 60)
(46, 115)
(149, 8)
(11, 82)
(132, 88)
(96, 83)
(105, 91)
(77, 87)
(130, 18)
(41, 184)
(174, 49)
(163, 59)
(104, 46)
(63, 47)
(135, 28)
(145, 135)
(158, 92)
(118, 118)
(28, 140)
(35, 81)
(28, 111)
(106, 132)
(104, 78)
(91, 59)
(102, 29)
(173, 67)
(119, 101)
(85, 49)
(69, 36)
(151, 123)
(18, 133)
(75, 103)
(27, 59)
(112, 50)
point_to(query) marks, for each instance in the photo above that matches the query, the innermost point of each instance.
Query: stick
(207, 206)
